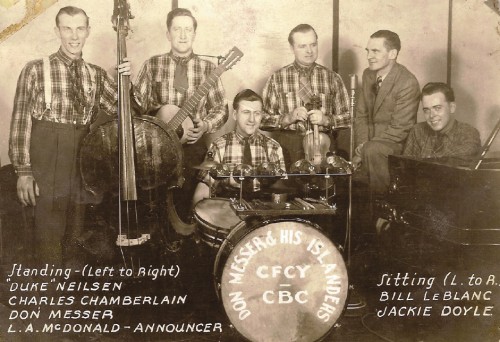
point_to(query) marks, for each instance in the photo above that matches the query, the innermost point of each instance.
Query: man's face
(379, 58)
(181, 35)
(73, 31)
(248, 117)
(305, 47)
(437, 111)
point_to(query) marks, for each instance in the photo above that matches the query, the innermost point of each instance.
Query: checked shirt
(281, 95)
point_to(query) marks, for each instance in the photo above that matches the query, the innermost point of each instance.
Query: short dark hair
(246, 95)
(180, 12)
(391, 39)
(439, 87)
(301, 28)
(72, 11)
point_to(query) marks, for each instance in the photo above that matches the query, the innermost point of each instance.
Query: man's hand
(27, 190)
(195, 133)
(299, 114)
(316, 117)
(356, 162)
(124, 68)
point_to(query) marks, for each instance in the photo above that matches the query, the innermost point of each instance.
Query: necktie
(180, 76)
(438, 143)
(77, 91)
(247, 152)
(377, 85)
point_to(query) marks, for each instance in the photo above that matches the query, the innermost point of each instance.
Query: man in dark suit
(386, 111)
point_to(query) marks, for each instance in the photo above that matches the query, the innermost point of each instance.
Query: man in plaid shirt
(441, 135)
(284, 107)
(229, 149)
(172, 78)
(45, 137)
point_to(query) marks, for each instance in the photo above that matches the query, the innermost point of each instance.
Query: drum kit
(278, 275)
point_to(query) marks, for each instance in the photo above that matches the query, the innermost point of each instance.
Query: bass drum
(282, 280)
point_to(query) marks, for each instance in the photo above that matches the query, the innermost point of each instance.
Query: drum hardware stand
(327, 176)
(241, 179)
(355, 301)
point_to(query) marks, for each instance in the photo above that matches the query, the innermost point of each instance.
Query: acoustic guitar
(180, 119)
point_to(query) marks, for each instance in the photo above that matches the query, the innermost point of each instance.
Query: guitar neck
(191, 104)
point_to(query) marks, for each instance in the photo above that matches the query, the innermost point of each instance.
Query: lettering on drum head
(284, 281)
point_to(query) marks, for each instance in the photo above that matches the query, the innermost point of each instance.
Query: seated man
(441, 135)
(230, 148)
(386, 110)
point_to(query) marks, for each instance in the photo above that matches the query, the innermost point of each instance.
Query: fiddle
(315, 143)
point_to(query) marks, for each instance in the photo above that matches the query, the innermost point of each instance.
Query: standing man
(229, 149)
(441, 135)
(172, 78)
(386, 111)
(284, 100)
(56, 101)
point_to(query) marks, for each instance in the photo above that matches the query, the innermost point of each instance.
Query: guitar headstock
(231, 58)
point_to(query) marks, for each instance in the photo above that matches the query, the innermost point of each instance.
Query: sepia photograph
(250, 170)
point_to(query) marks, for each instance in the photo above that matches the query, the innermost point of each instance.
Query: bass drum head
(282, 281)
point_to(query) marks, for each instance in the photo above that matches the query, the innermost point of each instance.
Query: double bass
(128, 165)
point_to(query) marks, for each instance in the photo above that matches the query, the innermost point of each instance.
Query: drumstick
(298, 204)
(304, 203)
(246, 204)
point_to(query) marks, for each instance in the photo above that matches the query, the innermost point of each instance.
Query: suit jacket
(390, 115)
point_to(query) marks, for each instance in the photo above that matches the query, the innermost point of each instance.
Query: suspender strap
(96, 77)
(47, 83)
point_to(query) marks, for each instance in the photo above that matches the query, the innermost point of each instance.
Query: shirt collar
(303, 69)
(449, 127)
(65, 58)
(387, 73)
(251, 138)
(179, 59)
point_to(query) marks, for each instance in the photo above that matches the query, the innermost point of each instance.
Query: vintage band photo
(250, 170)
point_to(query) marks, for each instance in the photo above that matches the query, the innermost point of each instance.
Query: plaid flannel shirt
(154, 87)
(281, 96)
(228, 149)
(460, 140)
(29, 102)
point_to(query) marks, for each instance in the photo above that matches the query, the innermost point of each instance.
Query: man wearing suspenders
(57, 98)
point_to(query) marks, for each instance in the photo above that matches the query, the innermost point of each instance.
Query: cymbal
(340, 128)
(206, 165)
(202, 167)
(270, 128)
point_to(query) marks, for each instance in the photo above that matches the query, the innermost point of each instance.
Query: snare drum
(281, 281)
(216, 219)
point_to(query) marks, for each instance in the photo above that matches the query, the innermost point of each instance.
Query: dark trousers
(194, 154)
(375, 163)
(58, 214)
